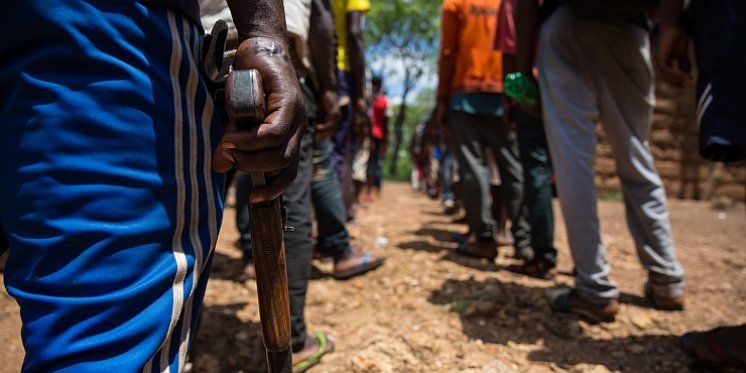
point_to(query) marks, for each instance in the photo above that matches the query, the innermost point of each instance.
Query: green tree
(415, 112)
(404, 33)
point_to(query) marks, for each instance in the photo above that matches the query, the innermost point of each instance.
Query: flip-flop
(463, 249)
(718, 355)
(366, 264)
(326, 345)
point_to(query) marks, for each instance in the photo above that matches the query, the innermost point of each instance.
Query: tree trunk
(399, 124)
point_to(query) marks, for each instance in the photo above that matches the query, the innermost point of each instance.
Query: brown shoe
(478, 249)
(664, 303)
(544, 269)
(568, 301)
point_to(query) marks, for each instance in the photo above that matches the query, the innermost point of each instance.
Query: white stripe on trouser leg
(177, 288)
(194, 238)
(703, 98)
(701, 112)
(212, 220)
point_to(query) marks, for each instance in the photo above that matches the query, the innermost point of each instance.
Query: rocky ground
(429, 309)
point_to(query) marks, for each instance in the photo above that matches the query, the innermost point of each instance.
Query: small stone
(641, 320)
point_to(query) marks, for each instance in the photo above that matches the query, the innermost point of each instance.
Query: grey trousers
(593, 71)
(471, 134)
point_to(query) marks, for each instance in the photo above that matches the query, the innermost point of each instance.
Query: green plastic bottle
(521, 89)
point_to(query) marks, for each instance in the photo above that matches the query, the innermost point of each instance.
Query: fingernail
(229, 145)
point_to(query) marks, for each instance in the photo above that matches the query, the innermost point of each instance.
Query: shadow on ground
(225, 343)
(227, 268)
(509, 313)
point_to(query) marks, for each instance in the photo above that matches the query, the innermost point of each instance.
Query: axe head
(244, 97)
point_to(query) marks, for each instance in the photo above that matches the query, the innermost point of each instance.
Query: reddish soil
(428, 309)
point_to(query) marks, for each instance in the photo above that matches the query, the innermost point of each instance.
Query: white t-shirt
(297, 18)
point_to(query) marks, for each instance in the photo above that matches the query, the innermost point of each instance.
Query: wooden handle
(245, 104)
(268, 250)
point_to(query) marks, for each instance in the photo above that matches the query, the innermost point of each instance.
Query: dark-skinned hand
(440, 114)
(329, 111)
(672, 56)
(271, 146)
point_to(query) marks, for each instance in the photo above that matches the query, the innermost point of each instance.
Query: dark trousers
(537, 183)
(298, 246)
(326, 194)
(471, 134)
(375, 172)
(344, 140)
(3, 241)
(719, 32)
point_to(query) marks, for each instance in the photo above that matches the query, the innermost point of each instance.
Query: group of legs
(611, 86)
(316, 191)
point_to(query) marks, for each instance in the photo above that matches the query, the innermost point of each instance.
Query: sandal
(367, 263)
(326, 345)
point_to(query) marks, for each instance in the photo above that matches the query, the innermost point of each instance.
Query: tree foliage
(404, 33)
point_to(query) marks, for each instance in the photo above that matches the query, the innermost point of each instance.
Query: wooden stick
(245, 104)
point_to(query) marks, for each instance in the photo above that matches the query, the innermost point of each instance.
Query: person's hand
(271, 146)
(440, 114)
(507, 110)
(361, 107)
(329, 111)
(672, 56)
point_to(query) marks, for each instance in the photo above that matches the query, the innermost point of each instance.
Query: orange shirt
(468, 31)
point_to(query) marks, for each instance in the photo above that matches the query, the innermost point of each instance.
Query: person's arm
(323, 52)
(356, 50)
(273, 145)
(527, 26)
(447, 60)
(672, 56)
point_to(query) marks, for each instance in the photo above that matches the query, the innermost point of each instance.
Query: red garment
(505, 35)
(380, 112)
(505, 39)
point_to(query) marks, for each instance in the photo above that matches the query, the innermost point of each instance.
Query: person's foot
(460, 237)
(356, 263)
(481, 249)
(664, 303)
(315, 348)
(723, 347)
(568, 301)
(540, 268)
(503, 239)
(449, 207)
(523, 253)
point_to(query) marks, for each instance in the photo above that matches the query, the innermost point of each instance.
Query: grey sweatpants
(593, 71)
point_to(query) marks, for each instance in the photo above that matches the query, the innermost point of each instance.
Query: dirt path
(430, 310)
